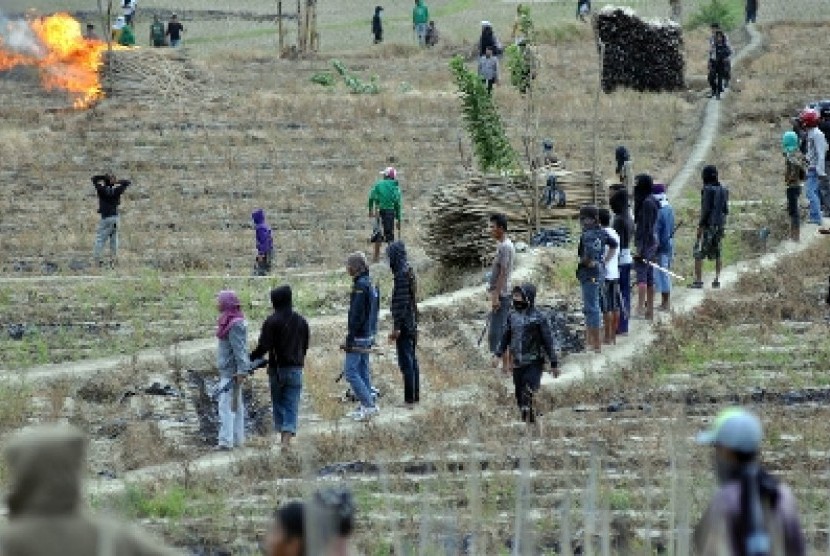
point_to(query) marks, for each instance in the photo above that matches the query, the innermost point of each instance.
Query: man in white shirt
(129, 12)
(816, 153)
(610, 293)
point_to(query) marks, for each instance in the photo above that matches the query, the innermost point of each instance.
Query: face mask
(520, 305)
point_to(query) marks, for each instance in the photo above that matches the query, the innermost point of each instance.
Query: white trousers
(231, 424)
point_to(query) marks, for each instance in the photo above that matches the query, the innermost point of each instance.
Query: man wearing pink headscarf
(234, 365)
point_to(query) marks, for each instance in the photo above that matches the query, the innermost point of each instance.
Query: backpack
(593, 248)
(374, 309)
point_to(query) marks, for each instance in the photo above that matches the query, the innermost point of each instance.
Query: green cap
(736, 429)
(789, 142)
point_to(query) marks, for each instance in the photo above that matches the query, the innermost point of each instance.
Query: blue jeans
(662, 281)
(625, 292)
(107, 230)
(498, 322)
(813, 196)
(421, 33)
(408, 363)
(358, 374)
(590, 303)
(286, 386)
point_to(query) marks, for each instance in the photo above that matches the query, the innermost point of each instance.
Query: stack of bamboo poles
(458, 219)
(150, 74)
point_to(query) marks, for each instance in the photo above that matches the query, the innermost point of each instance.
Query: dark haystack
(457, 226)
(641, 55)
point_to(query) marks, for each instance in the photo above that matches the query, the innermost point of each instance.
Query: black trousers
(793, 193)
(489, 84)
(408, 363)
(527, 380)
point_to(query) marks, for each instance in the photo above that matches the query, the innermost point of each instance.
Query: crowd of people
(123, 29)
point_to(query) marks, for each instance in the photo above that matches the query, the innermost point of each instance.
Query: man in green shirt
(385, 207)
(420, 21)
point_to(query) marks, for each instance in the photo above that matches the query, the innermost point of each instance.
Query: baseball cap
(736, 429)
(390, 172)
(486, 23)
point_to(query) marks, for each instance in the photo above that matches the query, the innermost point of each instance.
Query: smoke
(16, 36)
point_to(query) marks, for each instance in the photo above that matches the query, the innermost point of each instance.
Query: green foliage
(520, 58)
(525, 23)
(727, 13)
(354, 83)
(324, 78)
(484, 124)
(171, 503)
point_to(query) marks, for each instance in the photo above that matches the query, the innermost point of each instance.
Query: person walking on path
(377, 25)
(624, 226)
(816, 154)
(420, 20)
(624, 171)
(385, 206)
(499, 287)
(751, 11)
(610, 297)
(794, 174)
(488, 69)
(665, 246)
(234, 365)
(591, 272)
(676, 7)
(284, 339)
(752, 512)
(722, 65)
(264, 244)
(157, 37)
(46, 502)
(529, 338)
(646, 211)
(359, 337)
(712, 69)
(714, 207)
(174, 31)
(109, 191)
(404, 309)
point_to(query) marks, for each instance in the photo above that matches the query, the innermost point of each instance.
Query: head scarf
(231, 313)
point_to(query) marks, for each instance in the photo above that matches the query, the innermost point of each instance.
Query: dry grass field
(615, 471)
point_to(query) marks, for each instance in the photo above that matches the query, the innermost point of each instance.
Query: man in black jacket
(284, 339)
(529, 337)
(646, 211)
(109, 192)
(404, 315)
(714, 207)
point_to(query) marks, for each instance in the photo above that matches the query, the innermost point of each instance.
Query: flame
(66, 61)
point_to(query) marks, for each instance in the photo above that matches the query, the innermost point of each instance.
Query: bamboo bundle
(150, 74)
(642, 55)
(457, 221)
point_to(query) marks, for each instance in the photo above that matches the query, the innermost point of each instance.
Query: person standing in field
(676, 10)
(129, 12)
(499, 288)
(752, 512)
(109, 191)
(404, 309)
(794, 174)
(624, 226)
(751, 11)
(420, 20)
(377, 25)
(174, 31)
(714, 207)
(157, 39)
(488, 69)
(610, 297)
(665, 246)
(234, 365)
(385, 205)
(47, 506)
(590, 272)
(529, 338)
(722, 64)
(264, 244)
(284, 339)
(127, 37)
(432, 37)
(646, 211)
(624, 171)
(816, 168)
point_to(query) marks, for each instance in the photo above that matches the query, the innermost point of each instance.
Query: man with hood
(404, 311)
(665, 246)
(45, 500)
(528, 336)
(646, 212)
(794, 173)
(284, 339)
(157, 39)
(264, 244)
(420, 20)
(624, 171)
(360, 338)
(109, 191)
(714, 207)
(752, 512)
(385, 206)
(624, 226)
(377, 25)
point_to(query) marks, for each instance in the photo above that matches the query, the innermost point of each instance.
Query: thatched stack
(642, 55)
(457, 223)
(151, 74)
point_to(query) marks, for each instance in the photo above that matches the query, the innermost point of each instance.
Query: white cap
(486, 23)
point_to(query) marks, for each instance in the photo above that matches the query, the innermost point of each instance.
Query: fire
(65, 59)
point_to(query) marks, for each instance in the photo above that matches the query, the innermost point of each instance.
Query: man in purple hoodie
(264, 244)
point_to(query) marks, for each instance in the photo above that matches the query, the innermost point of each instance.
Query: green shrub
(168, 504)
(324, 78)
(727, 13)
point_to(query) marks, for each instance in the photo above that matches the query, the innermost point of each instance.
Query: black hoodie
(528, 333)
(403, 297)
(109, 195)
(284, 335)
